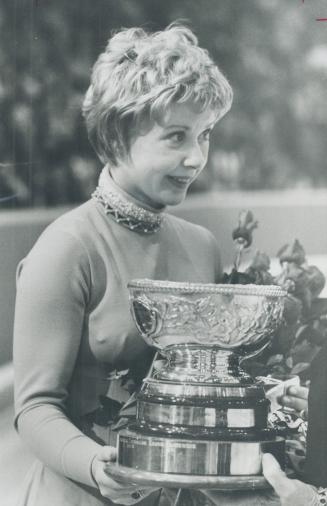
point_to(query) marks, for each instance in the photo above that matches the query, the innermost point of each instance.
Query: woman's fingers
(294, 403)
(282, 485)
(296, 398)
(107, 454)
(118, 492)
(298, 391)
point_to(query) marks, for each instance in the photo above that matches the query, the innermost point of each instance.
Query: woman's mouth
(180, 181)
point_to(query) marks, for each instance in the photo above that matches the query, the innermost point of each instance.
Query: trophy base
(186, 481)
(190, 456)
(203, 415)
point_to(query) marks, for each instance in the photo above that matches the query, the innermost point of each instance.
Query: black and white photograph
(163, 253)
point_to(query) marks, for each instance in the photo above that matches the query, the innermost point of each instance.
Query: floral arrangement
(304, 327)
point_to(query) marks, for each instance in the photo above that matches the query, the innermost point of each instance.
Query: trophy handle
(148, 318)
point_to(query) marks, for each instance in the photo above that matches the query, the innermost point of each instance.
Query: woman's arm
(52, 302)
(52, 295)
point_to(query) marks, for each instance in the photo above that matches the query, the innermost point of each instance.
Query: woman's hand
(290, 492)
(296, 398)
(117, 492)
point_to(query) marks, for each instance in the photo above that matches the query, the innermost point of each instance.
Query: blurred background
(268, 154)
(274, 54)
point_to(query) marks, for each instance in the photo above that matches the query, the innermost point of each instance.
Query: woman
(150, 108)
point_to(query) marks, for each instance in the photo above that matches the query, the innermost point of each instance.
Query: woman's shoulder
(60, 254)
(78, 220)
(69, 235)
(79, 224)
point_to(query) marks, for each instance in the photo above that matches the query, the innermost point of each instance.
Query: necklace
(121, 207)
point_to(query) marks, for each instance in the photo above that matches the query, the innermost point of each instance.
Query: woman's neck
(124, 208)
(112, 177)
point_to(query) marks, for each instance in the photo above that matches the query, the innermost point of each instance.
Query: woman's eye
(177, 137)
(206, 135)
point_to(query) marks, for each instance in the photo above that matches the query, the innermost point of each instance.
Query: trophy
(201, 419)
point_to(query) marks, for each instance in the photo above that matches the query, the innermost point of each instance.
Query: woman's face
(166, 157)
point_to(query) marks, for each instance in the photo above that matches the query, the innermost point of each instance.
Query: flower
(243, 233)
(292, 253)
(304, 327)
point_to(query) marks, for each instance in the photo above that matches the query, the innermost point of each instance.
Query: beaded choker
(123, 208)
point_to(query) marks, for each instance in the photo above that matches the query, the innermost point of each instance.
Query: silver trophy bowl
(240, 318)
(200, 416)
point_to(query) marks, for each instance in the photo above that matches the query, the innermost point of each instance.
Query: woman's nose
(195, 157)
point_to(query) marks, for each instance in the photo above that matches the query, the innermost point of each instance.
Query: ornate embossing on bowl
(240, 318)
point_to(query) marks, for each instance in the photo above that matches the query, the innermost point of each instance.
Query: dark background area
(274, 54)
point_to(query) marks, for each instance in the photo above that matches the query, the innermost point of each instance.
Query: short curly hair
(139, 75)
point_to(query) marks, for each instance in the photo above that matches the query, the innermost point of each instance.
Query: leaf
(303, 332)
(318, 308)
(316, 280)
(275, 359)
(261, 261)
(293, 309)
(289, 362)
(300, 367)
(303, 352)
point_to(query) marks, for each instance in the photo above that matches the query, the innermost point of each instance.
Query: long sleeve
(52, 296)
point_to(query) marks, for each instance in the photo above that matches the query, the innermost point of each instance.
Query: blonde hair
(138, 75)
